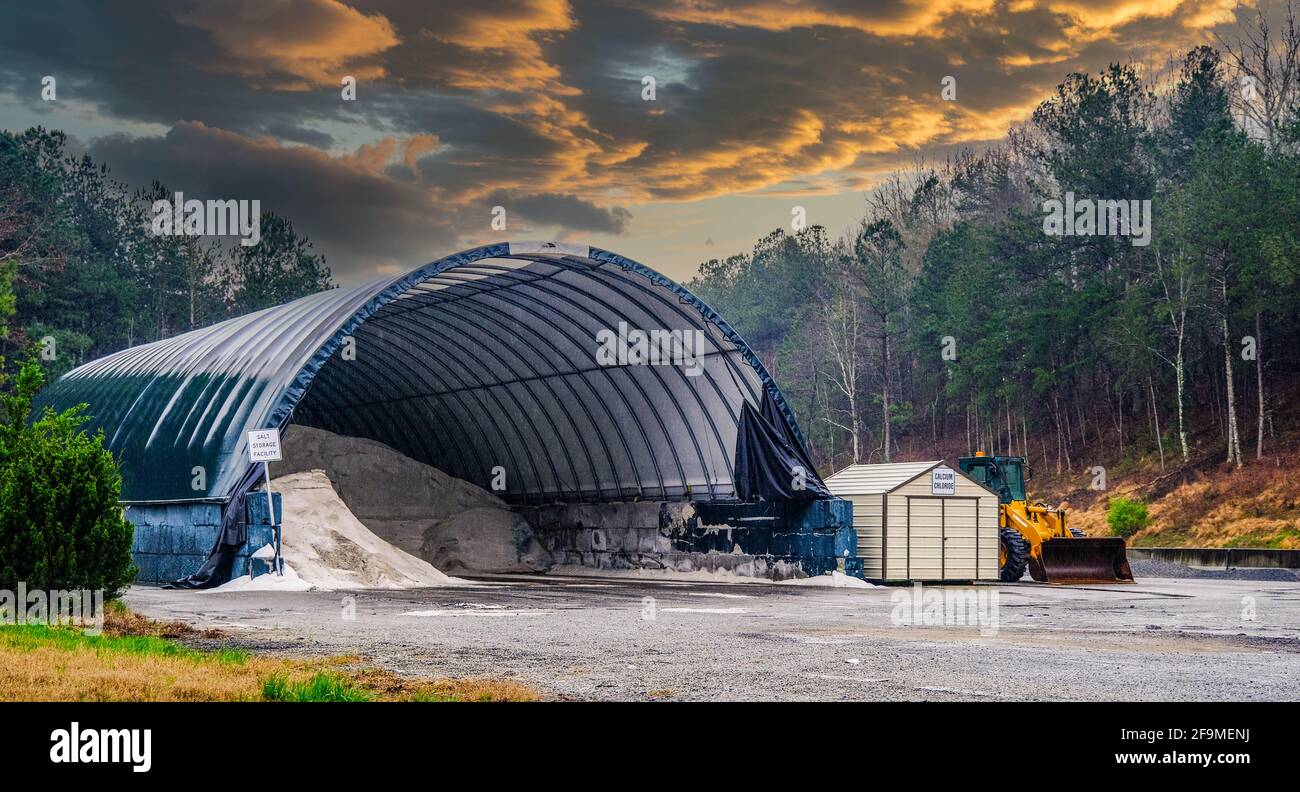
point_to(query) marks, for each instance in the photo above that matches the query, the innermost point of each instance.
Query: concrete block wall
(769, 540)
(258, 512)
(172, 540)
(261, 531)
(1220, 557)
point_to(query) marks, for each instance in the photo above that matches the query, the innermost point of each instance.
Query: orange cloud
(506, 37)
(375, 157)
(314, 41)
(915, 18)
(1106, 14)
(925, 18)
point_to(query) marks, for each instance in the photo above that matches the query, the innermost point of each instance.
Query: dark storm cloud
(297, 134)
(136, 62)
(359, 218)
(537, 103)
(564, 211)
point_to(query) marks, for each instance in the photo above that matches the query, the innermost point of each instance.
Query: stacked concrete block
(172, 540)
(261, 530)
(772, 540)
(258, 511)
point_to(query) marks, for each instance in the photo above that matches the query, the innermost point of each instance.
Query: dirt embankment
(1257, 506)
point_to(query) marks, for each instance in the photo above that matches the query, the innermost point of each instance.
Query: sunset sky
(537, 106)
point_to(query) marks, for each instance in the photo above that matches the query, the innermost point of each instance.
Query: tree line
(958, 316)
(82, 274)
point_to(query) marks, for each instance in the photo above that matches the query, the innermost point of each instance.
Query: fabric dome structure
(514, 358)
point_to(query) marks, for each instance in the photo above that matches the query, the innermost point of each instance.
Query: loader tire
(1016, 551)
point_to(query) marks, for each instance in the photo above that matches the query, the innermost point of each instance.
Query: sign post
(264, 447)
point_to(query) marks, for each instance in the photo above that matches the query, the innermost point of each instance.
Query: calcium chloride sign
(943, 481)
(264, 446)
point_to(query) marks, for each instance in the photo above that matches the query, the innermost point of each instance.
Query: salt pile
(289, 581)
(450, 523)
(328, 547)
(832, 580)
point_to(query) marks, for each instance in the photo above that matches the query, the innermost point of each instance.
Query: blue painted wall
(172, 540)
(817, 536)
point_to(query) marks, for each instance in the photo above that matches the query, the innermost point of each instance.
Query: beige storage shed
(921, 521)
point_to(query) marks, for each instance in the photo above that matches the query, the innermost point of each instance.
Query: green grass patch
(71, 638)
(321, 687)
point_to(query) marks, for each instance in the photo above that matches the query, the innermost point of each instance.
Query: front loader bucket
(1082, 560)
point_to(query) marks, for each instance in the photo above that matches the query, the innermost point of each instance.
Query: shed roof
(876, 479)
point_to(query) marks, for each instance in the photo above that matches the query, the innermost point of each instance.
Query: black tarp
(769, 457)
(219, 567)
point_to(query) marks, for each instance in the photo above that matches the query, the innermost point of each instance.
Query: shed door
(925, 538)
(959, 524)
(941, 538)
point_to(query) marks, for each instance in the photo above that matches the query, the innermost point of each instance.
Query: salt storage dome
(505, 360)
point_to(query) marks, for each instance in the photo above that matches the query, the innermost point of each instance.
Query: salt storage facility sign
(264, 445)
(943, 481)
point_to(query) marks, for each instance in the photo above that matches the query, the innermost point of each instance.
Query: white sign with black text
(264, 445)
(943, 481)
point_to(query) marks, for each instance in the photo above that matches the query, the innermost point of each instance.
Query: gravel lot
(635, 639)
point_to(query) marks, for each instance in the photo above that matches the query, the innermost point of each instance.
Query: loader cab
(1005, 475)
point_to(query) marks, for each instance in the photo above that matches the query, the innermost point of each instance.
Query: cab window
(1012, 476)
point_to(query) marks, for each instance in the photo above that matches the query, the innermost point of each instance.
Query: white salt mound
(329, 548)
(270, 581)
(833, 580)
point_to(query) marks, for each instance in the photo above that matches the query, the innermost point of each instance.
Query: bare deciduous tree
(1266, 63)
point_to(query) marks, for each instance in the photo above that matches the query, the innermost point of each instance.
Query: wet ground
(620, 638)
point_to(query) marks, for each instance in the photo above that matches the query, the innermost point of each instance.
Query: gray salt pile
(449, 523)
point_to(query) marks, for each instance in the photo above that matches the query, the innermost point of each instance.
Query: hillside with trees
(949, 321)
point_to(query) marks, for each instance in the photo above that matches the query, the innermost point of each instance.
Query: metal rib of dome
(478, 363)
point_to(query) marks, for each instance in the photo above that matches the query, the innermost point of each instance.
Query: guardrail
(1221, 557)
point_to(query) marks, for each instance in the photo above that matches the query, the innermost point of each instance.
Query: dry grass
(136, 659)
(1257, 506)
(40, 663)
(386, 684)
(121, 621)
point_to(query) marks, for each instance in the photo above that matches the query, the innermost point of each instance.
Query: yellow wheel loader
(1035, 535)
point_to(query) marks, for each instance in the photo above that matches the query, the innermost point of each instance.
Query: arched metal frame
(479, 361)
